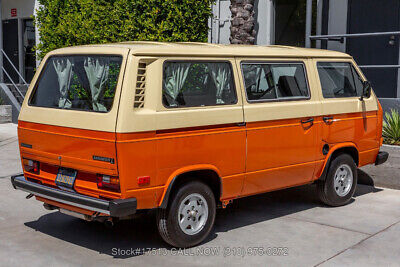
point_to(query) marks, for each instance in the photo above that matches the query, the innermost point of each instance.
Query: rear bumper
(381, 157)
(114, 208)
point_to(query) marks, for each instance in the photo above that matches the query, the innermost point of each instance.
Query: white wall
(337, 23)
(24, 8)
(220, 24)
(265, 21)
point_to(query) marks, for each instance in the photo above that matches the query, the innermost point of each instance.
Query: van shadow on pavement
(141, 233)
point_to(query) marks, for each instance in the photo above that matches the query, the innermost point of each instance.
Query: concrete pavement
(9, 153)
(365, 232)
(289, 227)
(387, 174)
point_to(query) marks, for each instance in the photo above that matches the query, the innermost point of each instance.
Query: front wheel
(340, 183)
(189, 217)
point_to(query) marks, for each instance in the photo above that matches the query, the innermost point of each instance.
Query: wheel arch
(334, 151)
(205, 173)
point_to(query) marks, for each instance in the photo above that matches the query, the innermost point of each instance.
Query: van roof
(148, 48)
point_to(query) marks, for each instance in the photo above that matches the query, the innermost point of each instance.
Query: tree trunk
(242, 24)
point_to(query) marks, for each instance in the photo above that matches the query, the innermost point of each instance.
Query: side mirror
(367, 87)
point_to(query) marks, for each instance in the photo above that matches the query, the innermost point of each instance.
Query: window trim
(282, 99)
(198, 61)
(121, 72)
(353, 67)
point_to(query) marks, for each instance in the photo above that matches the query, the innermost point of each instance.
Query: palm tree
(242, 24)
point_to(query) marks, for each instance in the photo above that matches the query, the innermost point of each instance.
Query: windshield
(82, 82)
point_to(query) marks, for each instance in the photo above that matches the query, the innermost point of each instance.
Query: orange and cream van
(107, 131)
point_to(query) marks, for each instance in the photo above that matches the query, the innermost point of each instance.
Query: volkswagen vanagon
(107, 131)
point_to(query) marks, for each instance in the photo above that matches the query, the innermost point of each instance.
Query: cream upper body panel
(124, 117)
(347, 104)
(74, 118)
(155, 116)
(286, 108)
(143, 48)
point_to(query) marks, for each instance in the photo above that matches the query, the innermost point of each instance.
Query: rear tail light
(144, 180)
(31, 165)
(108, 182)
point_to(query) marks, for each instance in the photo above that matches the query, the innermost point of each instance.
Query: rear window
(83, 82)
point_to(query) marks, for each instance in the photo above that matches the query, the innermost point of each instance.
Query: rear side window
(339, 79)
(196, 84)
(274, 81)
(84, 82)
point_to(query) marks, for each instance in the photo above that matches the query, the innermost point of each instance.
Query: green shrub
(391, 127)
(1, 101)
(64, 23)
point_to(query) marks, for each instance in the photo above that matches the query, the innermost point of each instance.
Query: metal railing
(342, 37)
(9, 76)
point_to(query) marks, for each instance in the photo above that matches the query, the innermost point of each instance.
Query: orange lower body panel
(261, 157)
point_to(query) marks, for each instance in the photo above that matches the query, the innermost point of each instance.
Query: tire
(179, 213)
(340, 182)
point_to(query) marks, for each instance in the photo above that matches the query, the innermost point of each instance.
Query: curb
(391, 146)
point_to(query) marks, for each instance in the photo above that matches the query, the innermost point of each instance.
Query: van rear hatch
(66, 127)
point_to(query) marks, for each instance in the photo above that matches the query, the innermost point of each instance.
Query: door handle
(328, 120)
(311, 120)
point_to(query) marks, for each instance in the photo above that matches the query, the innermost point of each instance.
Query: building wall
(24, 8)
(264, 21)
(337, 23)
(220, 23)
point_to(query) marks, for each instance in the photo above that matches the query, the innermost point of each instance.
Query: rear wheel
(340, 183)
(189, 217)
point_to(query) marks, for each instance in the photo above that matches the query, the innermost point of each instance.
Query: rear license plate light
(31, 166)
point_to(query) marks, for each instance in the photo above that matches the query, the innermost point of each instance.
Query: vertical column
(398, 77)
(37, 35)
(217, 22)
(1, 44)
(21, 52)
(319, 21)
(209, 39)
(308, 22)
(272, 12)
(265, 24)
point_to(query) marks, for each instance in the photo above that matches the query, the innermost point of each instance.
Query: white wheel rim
(343, 180)
(193, 214)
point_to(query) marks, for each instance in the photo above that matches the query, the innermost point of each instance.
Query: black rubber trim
(325, 171)
(164, 203)
(115, 208)
(122, 207)
(381, 157)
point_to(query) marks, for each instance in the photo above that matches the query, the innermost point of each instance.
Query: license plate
(66, 178)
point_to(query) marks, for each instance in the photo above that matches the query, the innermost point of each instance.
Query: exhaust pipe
(49, 207)
(109, 222)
